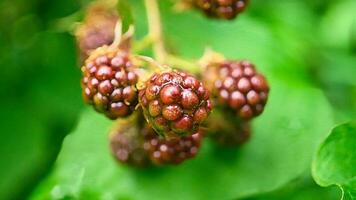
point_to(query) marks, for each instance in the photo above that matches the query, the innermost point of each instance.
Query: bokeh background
(39, 72)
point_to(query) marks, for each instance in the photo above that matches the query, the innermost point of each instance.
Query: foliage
(305, 48)
(335, 161)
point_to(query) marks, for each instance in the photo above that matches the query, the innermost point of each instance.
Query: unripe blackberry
(223, 9)
(127, 143)
(175, 103)
(227, 130)
(109, 82)
(97, 29)
(239, 134)
(238, 87)
(174, 151)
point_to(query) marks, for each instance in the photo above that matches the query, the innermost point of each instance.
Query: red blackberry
(97, 29)
(238, 87)
(162, 151)
(127, 142)
(175, 103)
(226, 129)
(223, 9)
(135, 143)
(109, 82)
(239, 136)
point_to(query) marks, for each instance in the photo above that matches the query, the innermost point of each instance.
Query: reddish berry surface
(97, 30)
(175, 103)
(238, 87)
(236, 135)
(109, 82)
(224, 9)
(127, 142)
(135, 143)
(162, 151)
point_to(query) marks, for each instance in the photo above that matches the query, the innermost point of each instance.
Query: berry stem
(118, 34)
(142, 44)
(156, 37)
(186, 65)
(155, 30)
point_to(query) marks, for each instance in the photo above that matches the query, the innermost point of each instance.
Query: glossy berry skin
(175, 103)
(109, 82)
(238, 87)
(164, 152)
(221, 9)
(127, 144)
(97, 30)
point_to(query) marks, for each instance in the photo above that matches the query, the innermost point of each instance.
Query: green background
(299, 44)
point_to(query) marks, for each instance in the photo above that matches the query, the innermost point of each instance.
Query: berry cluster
(135, 143)
(230, 133)
(223, 9)
(173, 151)
(109, 82)
(126, 143)
(163, 111)
(175, 103)
(238, 87)
(97, 30)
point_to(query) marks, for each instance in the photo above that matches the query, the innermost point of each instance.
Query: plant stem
(182, 64)
(118, 34)
(155, 30)
(156, 36)
(142, 44)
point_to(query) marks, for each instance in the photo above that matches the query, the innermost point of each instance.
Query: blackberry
(135, 143)
(109, 82)
(96, 30)
(174, 151)
(222, 9)
(226, 130)
(127, 143)
(238, 87)
(175, 103)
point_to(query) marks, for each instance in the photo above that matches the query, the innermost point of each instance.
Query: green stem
(155, 30)
(142, 44)
(182, 64)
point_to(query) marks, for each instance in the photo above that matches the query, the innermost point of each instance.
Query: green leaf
(303, 188)
(284, 138)
(335, 162)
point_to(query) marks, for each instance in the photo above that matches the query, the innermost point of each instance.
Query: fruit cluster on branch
(220, 9)
(162, 114)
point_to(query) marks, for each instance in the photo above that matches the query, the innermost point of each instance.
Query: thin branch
(118, 34)
(155, 30)
(142, 44)
(182, 64)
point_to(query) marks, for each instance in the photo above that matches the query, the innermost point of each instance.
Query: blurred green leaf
(336, 32)
(303, 188)
(335, 162)
(48, 100)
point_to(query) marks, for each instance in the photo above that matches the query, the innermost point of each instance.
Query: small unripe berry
(238, 87)
(109, 82)
(96, 30)
(135, 143)
(174, 151)
(222, 9)
(127, 143)
(234, 135)
(175, 103)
